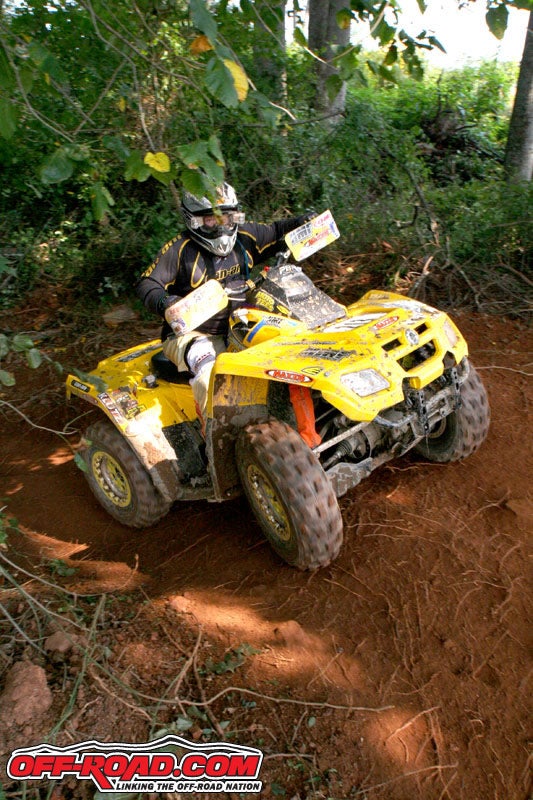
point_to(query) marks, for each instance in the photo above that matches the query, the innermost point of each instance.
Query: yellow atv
(309, 399)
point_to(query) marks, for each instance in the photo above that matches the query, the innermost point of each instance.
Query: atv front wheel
(118, 480)
(290, 494)
(460, 433)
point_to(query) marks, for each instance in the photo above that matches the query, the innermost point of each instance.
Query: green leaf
(422, 5)
(193, 154)
(27, 77)
(4, 345)
(57, 168)
(333, 86)
(46, 62)
(194, 182)
(391, 56)
(117, 146)
(497, 20)
(347, 63)
(435, 43)
(136, 169)
(220, 83)
(203, 19)
(299, 38)
(101, 201)
(75, 152)
(247, 10)
(4, 265)
(215, 149)
(165, 178)
(182, 724)
(81, 463)
(7, 378)
(268, 113)
(22, 342)
(7, 79)
(8, 119)
(34, 358)
(344, 18)
(384, 32)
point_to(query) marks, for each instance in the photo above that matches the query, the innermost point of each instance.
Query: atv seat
(165, 369)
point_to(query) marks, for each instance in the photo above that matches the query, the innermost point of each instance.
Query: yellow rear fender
(141, 408)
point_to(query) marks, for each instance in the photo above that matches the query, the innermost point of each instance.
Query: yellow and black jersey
(182, 265)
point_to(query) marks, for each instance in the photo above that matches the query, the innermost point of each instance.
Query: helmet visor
(221, 219)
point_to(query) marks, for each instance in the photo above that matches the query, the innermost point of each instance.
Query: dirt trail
(423, 617)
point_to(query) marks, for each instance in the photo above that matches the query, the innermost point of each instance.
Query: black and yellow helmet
(213, 226)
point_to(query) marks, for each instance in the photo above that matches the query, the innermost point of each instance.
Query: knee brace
(200, 354)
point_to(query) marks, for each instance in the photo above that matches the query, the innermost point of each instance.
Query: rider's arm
(152, 288)
(264, 240)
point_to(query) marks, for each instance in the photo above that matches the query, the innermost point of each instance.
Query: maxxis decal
(287, 375)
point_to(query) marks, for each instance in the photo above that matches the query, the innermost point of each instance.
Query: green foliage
(99, 120)
(19, 343)
(487, 223)
(7, 524)
(232, 660)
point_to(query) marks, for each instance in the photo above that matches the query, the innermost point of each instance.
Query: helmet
(213, 226)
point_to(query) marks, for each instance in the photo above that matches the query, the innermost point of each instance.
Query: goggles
(226, 219)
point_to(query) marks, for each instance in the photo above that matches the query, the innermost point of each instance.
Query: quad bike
(310, 397)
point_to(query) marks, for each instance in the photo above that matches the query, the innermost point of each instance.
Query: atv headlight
(365, 382)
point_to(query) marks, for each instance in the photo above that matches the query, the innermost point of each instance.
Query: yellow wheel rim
(269, 503)
(111, 478)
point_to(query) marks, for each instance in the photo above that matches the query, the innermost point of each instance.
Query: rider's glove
(165, 302)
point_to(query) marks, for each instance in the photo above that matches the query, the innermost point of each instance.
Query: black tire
(464, 430)
(118, 480)
(290, 494)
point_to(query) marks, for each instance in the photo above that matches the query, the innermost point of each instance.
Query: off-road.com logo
(169, 764)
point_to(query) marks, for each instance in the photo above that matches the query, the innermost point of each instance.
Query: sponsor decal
(273, 322)
(353, 322)
(225, 273)
(329, 355)
(287, 375)
(263, 299)
(81, 386)
(168, 764)
(312, 236)
(312, 370)
(126, 401)
(106, 401)
(384, 323)
(301, 233)
(139, 353)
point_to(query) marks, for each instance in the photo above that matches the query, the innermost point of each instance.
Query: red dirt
(422, 619)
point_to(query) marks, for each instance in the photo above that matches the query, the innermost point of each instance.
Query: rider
(219, 244)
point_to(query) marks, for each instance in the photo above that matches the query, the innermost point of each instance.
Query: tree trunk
(519, 149)
(323, 33)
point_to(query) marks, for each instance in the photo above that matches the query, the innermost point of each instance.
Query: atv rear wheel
(290, 494)
(118, 480)
(460, 433)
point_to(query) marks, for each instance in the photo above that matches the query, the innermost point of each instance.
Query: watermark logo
(169, 764)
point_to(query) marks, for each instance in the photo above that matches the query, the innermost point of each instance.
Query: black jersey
(182, 265)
